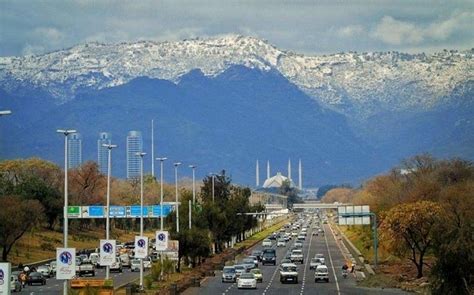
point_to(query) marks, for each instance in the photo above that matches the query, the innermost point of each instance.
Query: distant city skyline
(309, 27)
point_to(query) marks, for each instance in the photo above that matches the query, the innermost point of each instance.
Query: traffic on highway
(304, 257)
(42, 279)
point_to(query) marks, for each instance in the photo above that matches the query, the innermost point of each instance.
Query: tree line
(425, 207)
(32, 195)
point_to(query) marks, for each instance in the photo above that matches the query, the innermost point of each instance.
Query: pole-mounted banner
(107, 252)
(65, 263)
(161, 240)
(141, 247)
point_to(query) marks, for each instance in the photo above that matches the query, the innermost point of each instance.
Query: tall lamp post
(141, 155)
(194, 182)
(213, 189)
(177, 205)
(161, 204)
(65, 132)
(107, 220)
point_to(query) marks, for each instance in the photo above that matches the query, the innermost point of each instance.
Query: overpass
(317, 205)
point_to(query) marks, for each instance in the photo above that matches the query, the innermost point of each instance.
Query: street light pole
(177, 198)
(141, 155)
(65, 132)
(213, 175)
(107, 220)
(194, 182)
(161, 190)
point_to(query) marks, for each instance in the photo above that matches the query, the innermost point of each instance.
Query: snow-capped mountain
(359, 84)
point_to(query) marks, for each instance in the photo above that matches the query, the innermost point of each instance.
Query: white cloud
(396, 32)
(351, 31)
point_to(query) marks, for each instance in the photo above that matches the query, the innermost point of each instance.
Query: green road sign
(74, 211)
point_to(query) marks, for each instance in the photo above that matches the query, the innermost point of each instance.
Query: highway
(326, 245)
(55, 287)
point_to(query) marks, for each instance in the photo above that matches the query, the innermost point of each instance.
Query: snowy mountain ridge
(353, 83)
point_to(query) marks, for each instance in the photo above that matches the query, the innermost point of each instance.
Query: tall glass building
(74, 150)
(134, 145)
(102, 153)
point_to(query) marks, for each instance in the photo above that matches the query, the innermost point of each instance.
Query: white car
(229, 274)
(315, 262)
(117, 265)
(321, 273)
(239, 269)
(281, 243)
(288, 273)
(247, 281)
(267, 243)
(135, 265)
(258, 274)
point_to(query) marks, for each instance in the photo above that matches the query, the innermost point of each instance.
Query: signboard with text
(107, 252)
(141, 247)
(65, 263)
(74, 212)
(118, 212)
(161, 240)
(5, 271)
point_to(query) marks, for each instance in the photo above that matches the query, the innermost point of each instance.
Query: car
(269, 257)
(87, 268)
(258, 274)
(281, 243)
(294, 234)
(125, 259)
(147, 262)
(255, 260)
(83, 257)
(229, 274)
(53, 266)
(95, 258)
(239, 269)
(298, 244)
(321, 273)
(315, 233)
(321, 257)
(258, 254)
(301, 237)
(287, 237)
(315, 262)
(247, 281)
(249, 263)
(288, 273)
(116, 265)
(285, 260)
(45, 270)
(35, 278)
(135, 265)
(297, 255)
(267, 243)
(15, 285)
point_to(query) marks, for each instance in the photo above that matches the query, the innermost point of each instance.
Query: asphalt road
(55, 287)
(326, 245)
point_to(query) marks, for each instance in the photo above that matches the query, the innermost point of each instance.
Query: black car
(269, 257)
(35, 278)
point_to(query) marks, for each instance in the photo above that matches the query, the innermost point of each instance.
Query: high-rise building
(134, 146)
(102, 153)
(74, 150)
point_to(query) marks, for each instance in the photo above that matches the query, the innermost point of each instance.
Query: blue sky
(310, 27)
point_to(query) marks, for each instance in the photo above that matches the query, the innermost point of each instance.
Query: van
(94, 258)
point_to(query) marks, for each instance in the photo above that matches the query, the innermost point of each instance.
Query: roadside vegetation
(425, 212)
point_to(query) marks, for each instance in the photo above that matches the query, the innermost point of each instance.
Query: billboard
(173, 250)
(5, 271)
(107, 252)
(141, 247)
(65, 263)
(354, 215)
(161, 240)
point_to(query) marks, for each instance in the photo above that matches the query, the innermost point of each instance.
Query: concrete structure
(74, 150)
(102, 152)
(134, 146)
(276, 181)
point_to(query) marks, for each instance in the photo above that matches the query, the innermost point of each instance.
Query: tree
(87, 184)
(408, 228)
(291, 192)
(16, 217)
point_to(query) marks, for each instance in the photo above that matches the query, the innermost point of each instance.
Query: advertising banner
(65, 263)
(161, 240)
(141, 247)
(107, 252)
(5, 271)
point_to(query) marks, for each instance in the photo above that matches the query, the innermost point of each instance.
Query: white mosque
(278, 179)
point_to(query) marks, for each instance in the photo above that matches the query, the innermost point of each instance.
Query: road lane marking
(306, 265)
(332, 265)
